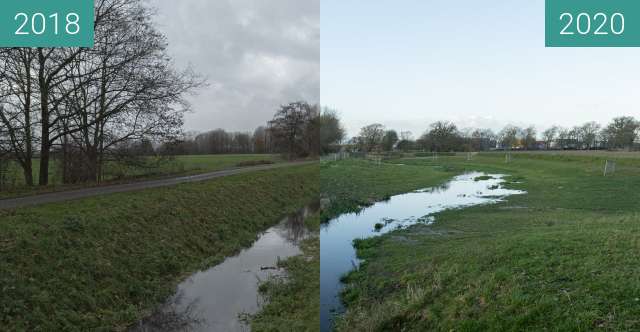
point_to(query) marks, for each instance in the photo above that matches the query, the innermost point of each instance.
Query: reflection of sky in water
(337, 255)
(215, 298)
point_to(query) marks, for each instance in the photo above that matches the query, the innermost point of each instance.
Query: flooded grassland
(338, 255)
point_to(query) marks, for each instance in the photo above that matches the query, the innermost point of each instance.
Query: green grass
(563, 257)
(352, 184)
(119, 173)
(294, 302)
(101, 264)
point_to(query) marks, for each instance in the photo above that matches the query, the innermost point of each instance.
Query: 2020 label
(592, 23)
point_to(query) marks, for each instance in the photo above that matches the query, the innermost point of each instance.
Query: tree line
(85, 104)
(294, 132)
(443, 136)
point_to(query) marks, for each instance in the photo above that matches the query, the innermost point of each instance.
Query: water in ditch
(216, 299)
(337, 255)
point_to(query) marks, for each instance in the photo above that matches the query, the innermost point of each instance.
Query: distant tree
(529, 138)
(564, 138)
(242, 143)
(331, 130)
(406, 136)
(406, 142)
(549, 136)
(482, 140)
(311, 133)
(508, 137)
(442, 136)
(575, 138)
(622, 132)
(389, 140)
(370, 137)
(261, 140)
(293, 129)
(589, 134)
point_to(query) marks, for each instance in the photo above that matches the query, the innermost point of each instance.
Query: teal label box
(592, 23)
(46, 23)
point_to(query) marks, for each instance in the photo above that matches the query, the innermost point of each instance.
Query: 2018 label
(47, 23)
(39, 23)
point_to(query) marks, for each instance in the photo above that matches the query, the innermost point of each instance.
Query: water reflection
(215, 300)
(337, 255)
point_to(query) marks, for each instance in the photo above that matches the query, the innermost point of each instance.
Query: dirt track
(62, 196)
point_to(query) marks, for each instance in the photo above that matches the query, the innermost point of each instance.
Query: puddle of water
(215, 299)
(337, 255)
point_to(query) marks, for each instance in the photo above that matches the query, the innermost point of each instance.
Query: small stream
(337, 254)
(215, 299)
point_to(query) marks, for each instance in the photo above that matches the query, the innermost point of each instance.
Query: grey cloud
(255, 54)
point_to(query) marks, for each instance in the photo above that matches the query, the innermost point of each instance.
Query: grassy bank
(13, 179)
(103, 263)
(563, 257)
(352, 184)
(294, 302)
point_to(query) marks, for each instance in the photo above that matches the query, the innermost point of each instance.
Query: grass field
(100, 264)
(117, 173)
(563, 257)
(294, 303)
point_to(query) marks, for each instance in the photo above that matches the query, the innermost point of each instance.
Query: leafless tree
(295, 129)
(124, 89)
(549, 136)
(370, 137)
(18, 107)
(622, 132)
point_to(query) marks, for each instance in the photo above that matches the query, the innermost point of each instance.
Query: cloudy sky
(256, 55)
(478, 63)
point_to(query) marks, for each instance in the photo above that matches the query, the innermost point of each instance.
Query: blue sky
(407, 63)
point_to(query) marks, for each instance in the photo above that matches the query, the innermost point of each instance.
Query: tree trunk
(45, 145)
(44, 162)
(28, 172)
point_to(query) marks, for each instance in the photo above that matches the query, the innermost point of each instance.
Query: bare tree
(370, 137)
(589, 134)
(508, 137)
(442, 136)
(549, 136)
(482, 140)
(122, 90)
(261, 140)
(529, 137)
(622, 132)
(18, 108)
(295, 129)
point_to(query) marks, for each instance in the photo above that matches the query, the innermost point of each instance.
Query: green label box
(46, 23)
(592, 23)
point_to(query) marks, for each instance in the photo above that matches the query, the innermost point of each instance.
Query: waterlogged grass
(350, 185)
(105, 262)
(294, 302)
(563, 257)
